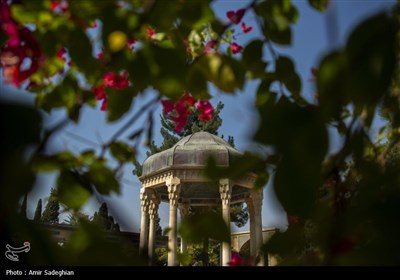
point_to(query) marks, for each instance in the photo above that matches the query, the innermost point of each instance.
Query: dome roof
(191, 151)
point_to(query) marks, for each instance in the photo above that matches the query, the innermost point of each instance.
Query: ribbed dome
(192, 151)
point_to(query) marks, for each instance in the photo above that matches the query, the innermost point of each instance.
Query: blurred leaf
(50, 163)
(119, 102)
(102, 178)
(225, 72)
(278, 15)
(204, 225)
(71, 192)
(320, 5)
(286, 73)
(371, 69)
(252, 59)
(302, 145)
(122, 151)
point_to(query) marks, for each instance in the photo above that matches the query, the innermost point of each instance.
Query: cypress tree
(52, 209)
(38, 211)
(23, 207)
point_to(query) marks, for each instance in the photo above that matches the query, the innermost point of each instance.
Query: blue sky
(240, 119)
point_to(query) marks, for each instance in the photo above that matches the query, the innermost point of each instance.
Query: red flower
(209, 46)
(236, 17)
(168, 106)
(60, 6)
(100, 92)
(186, 105)
(245, 28)
(150, 33)
(104, 105)
(236, 260)
(235, 48)
(21, 45)
(206, 110)
(131, 43)
(111, 80)
(100, 55)
(115, 80)
(60, 54)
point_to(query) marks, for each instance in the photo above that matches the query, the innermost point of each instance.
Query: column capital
(144, 200)
(225, 191)
(174, 189)
(153, 209)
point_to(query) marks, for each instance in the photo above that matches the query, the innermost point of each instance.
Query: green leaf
(301, 145)
(71, 191)
(320, 5)
(286, 73)
(277, 15)
(252, 59)
(64, 159)
(119, 102)
(225, 72)
(371, 69)
(206, 225)
(102, 178)
(122, 151)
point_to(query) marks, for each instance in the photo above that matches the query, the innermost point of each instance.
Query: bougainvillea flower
(168, 106)
(209, 47)
(245, 28)
(150, 33)
(235, 48)
(180, 110)
(236, 17)
(131, 43)
(115, 80)
(104, 105)
(59, 6)
(61, 54)
(19, 47)
(100, 92)
(236, 260)
(206, 109)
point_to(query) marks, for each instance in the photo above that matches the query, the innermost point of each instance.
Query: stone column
(173, 184)
(153, 214)
(144, 203)
(253, 237)
(225, 191)
(256, 233)
(184, 211)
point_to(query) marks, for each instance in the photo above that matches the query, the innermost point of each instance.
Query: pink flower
(236, 17)
(61, 54)
(235, 48)
(100, 92)
(115, 80)
(150, 33)
(245, 28)
(60, 6)
(20, 45)
(131, 43)
(206, 110)
(210, 45)
(104, 105)
(100, 55)
(168, 106)
(236, 260)
(111, 80)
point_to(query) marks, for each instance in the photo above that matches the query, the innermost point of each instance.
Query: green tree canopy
(52, 210)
